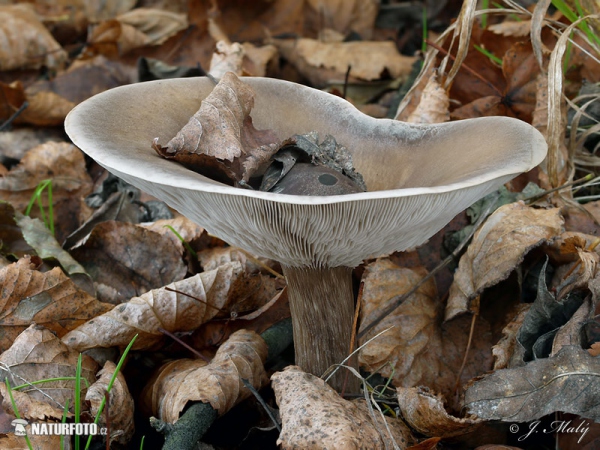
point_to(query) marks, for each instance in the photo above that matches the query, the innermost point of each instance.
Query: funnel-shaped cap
(419, 176)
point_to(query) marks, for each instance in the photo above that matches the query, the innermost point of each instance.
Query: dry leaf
(38, 442)
(434, 104)
(125, 260)
(227, 57)
(13, 242)
(159, 308)
(370, 60)
(220, 141)
(187, 229)
(218, 383)
(314, 416)
(37, 354)
(120, 404)
(346, 16)
(26, 43)
(50, 299)
(137, 28)
(29, 407)
(497, 248)
(425, 413)
(520, 28)
(257, 59)
(504, 349)
(64, 164)
(415, 321)
(15, 143)
(98, 10)
(566, 382)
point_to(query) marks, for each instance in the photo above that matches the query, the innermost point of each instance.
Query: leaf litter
(518, 329)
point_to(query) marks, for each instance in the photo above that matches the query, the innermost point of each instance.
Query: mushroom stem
(322, 307)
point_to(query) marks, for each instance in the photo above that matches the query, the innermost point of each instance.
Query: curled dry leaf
(566, 382)
(434, 104)
(26, 43)
(314, 416)
(125, 260)
(505, 347)
(120, 404)
(159, 308)
(37, 354)
(218, 383)
(50, 299)
(497, 248)
(220, 141)
(425, 413)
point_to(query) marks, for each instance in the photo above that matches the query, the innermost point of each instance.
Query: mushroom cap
(419, 176)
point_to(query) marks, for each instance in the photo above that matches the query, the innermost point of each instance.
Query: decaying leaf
(125, 260)
(50, 299)
(200, 298)
(228, 57)
(37, 354)
(218, 382)
(497, 248)
(505, 347)
(11, 236)
(425, 413)
(26, 43)
(314, 416)
(120, 403)
(220, 141)
(187, 229)
(567, 382)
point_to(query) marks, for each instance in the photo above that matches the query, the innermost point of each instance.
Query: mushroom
(419, 177)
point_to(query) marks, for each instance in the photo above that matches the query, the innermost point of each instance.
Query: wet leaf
(497, 248)
(50, 299)
(566, 382)
(125, 260)
(37, 354)
(218, 382)
(120, 403)
(314, 416)
(425, 413)
(220, 141)
(200, 298)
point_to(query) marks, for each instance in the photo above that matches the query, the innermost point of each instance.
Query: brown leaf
(434, 104)
(220, 141)
(37, 354)
(64, 164)
(425, 413)
(187, 229)
(512, 28)
(207, 293)
(227, 57)
(257, 59)
(98, 10)
(50, 299)
(566, 382)
(504, 349)
(218, 383)
(13, 242)
(125, 260)
(38, 442)
(120, 403)
(26, 43)
(314, 416)
(345, 16)
(497, 248)
(137, 28)
(396, 353)
(370, 60)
